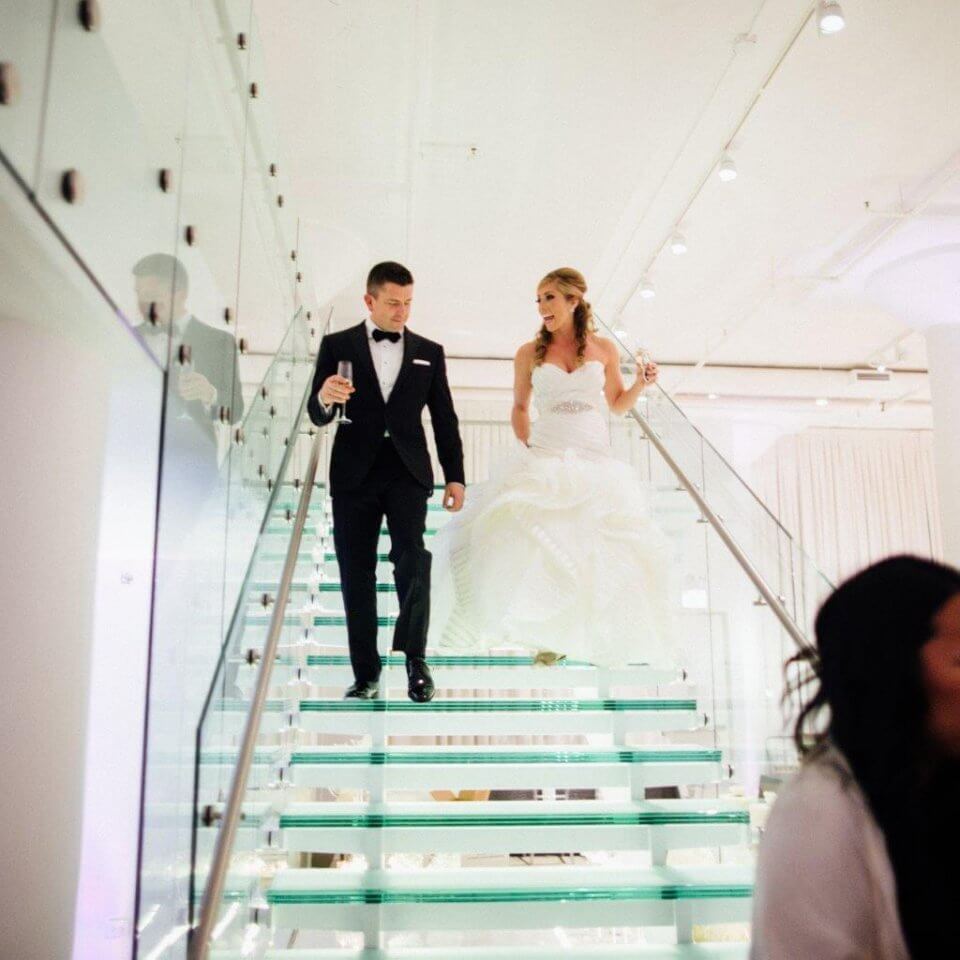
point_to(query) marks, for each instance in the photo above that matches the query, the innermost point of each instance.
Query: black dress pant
(388, 491)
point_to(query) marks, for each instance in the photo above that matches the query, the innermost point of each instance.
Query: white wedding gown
(557, 550)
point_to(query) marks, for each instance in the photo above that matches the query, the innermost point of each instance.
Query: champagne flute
(643, 358)
(345, 370)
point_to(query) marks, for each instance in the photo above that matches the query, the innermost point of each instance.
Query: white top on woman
(825, 887)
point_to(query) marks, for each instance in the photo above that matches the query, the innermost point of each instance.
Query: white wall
(78, 439)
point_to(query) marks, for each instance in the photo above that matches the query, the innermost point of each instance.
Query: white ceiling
(483, 143)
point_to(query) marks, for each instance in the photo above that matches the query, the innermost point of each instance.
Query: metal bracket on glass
(89, 15)
(72, 186)
(9, 83)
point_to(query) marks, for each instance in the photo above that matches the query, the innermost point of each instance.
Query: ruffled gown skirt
(557, 551)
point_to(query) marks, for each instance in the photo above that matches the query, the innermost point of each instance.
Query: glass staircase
(529, 809)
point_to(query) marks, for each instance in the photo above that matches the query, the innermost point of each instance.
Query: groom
(381, 468)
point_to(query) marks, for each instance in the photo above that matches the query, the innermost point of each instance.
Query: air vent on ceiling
(871, 384)
(871, 376)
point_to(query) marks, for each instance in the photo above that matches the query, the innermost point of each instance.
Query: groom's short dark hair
(388, 272)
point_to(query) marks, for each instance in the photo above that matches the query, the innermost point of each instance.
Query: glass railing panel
(730, 647)
(113, 131)
(24, 50)
(781, 562)
(259, 446)
(204, 405)
(736, 652)
(254, 856)
(242, 918)
(268, 274)
(752, 648)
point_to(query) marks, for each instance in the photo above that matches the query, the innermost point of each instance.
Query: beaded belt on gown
(571, 406)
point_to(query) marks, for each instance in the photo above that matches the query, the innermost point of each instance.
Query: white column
(921, 289)
(943, 351)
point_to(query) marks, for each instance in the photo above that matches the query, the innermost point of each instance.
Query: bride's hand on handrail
(647, 369)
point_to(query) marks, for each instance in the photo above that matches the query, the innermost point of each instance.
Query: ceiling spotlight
(821, 401)
(647, 290)
(727, 170)
(712, 396)
(830, 17)
(678, 244)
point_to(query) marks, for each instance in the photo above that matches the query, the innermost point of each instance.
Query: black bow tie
(379, 335)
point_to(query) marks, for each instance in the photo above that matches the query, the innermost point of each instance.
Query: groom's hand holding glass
(335, 389)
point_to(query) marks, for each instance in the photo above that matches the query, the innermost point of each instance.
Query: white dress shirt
(387, 360)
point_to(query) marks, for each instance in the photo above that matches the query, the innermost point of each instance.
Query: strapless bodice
(571, 407)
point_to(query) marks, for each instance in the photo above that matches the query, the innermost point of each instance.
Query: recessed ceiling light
(830, 17)
(821, 401)
(678, 244)
(727, 170)
(647, 290)
(713, 396)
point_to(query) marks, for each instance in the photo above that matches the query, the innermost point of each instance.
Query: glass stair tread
(483, 671)
(259, 587)
(508, 767)
(511, 814)
(485, 705)
(322, 620)
(466, 660)
(510, 885)
(304, 556)
(277, 530)
(588, 951)
(506, 755)
(318, 507)
(475, 705)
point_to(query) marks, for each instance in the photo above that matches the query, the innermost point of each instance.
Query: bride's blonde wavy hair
(570, 283)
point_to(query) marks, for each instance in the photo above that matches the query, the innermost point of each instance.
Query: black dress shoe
(419, 682)
(362, 690)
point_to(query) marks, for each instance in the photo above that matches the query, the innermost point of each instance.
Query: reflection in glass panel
(24, 46)
(204, 405)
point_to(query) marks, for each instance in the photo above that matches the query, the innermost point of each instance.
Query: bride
(557, 551)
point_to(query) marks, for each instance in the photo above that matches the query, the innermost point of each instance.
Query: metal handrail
(773, 601)
(213, 891)
(704, 440)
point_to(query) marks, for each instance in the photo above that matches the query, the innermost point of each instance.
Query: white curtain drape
(854, 496)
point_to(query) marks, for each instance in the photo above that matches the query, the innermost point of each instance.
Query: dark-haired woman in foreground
(861, 857)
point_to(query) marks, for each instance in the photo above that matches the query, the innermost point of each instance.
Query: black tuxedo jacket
(422, 382)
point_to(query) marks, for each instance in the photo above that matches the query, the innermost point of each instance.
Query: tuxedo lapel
(361, 346)
(408, 347)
